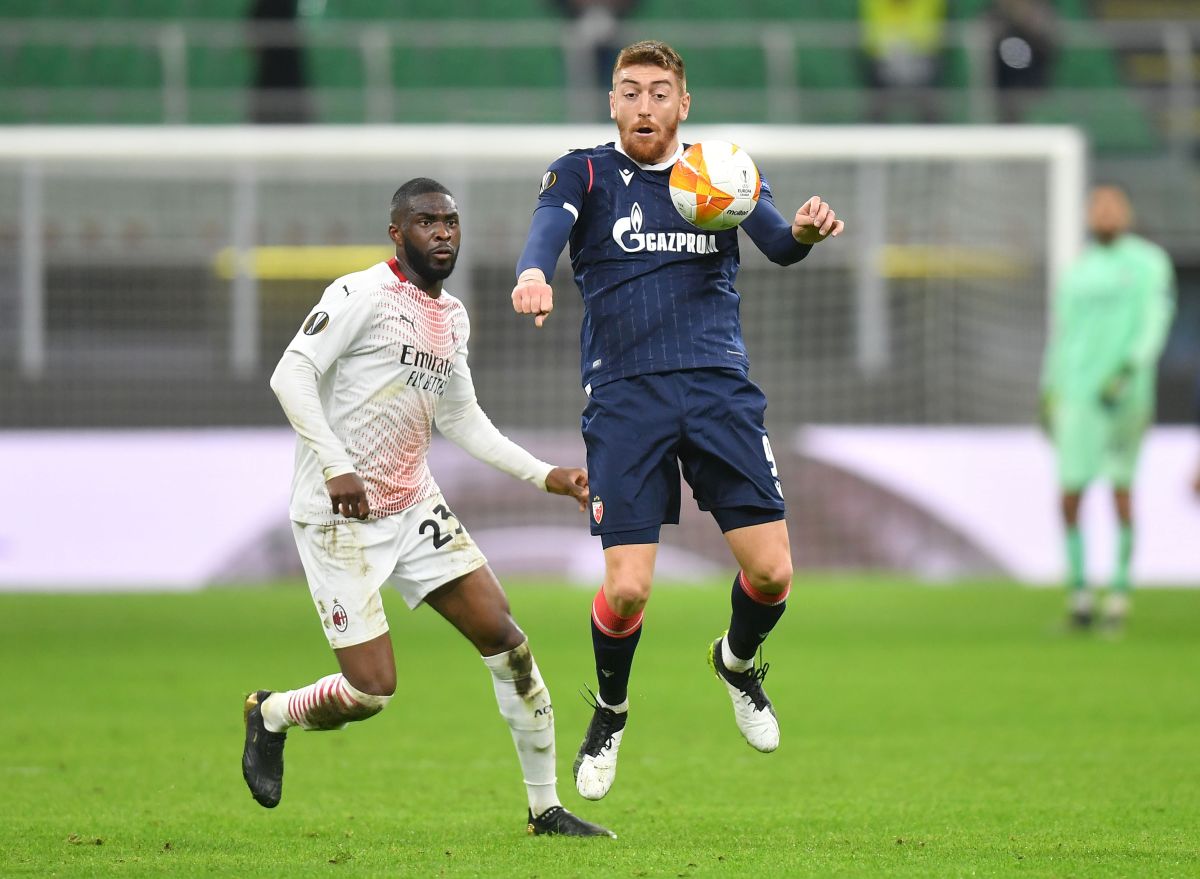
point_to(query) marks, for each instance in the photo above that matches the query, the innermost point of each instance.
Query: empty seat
(477, 67)
(218, 66)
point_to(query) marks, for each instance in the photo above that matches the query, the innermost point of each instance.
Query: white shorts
(418, 549)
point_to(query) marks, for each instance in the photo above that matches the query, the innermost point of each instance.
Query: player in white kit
(380, 360)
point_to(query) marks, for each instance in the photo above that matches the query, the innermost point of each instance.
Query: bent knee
(381, 685)
(501, 636)
(773, 578)
(626, 596)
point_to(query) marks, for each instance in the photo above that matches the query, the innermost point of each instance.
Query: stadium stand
(48, 77)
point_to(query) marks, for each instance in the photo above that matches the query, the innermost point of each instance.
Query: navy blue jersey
(658, 293)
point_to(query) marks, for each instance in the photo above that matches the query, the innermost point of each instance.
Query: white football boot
(596, 764)
(752, 709)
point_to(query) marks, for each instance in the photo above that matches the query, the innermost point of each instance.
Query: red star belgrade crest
(597, 509)
(340, 618)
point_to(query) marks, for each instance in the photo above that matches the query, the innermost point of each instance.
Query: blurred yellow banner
(298, 263)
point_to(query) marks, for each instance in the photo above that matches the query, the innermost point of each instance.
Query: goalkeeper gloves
(1046, 413)
(1114, 388)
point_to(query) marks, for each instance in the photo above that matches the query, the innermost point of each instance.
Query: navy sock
(614, 640)
(753, 616)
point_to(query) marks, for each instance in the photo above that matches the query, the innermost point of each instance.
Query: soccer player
(1112, 311)
(666, 374)
(379, 360)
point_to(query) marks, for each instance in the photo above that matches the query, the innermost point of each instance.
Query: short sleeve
(566, 182)
(334, 325)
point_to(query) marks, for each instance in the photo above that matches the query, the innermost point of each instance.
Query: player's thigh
(764, 553)
(726, 454)
(1080, 437)
(1126, 430)
(476, 605)
(369, 666)
(631, 430)
(434, 549)
(345, 564)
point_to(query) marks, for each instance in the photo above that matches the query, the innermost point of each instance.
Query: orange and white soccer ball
(714, 185)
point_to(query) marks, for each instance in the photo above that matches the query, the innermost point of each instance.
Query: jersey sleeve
(771, 232)
(295, 383)
(461, 420)
(1158, 308)
(334, 326)
(564, 186)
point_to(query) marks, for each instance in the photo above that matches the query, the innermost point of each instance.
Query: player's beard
(422, 266)
(648, 152)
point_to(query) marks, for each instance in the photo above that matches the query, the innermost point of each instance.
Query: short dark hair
(411, 189)
(653, 52)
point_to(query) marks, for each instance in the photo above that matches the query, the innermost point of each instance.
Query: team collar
(661, 166)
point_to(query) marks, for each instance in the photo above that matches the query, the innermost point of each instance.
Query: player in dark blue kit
(666, 374)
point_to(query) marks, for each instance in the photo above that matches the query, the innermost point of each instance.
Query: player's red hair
(653, 52)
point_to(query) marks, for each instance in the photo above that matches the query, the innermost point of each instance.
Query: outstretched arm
(785, 242)
(461, 420)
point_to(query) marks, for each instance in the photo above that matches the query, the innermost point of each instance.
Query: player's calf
(330, 703)
(524, 703)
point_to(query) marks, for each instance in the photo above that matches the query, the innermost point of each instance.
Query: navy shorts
(641, 431)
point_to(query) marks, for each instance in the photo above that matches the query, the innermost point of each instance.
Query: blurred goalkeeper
(379, 360)
(1111, 315)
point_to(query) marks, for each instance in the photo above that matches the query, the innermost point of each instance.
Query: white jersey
(390, 359)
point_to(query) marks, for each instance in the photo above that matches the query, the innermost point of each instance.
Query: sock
(754, 616)
(614, 641)
(1075, 557)
(1124, 554)
(524, 703)
(330, 703)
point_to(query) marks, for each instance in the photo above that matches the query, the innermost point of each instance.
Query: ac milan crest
(597, 509)
(340, 618)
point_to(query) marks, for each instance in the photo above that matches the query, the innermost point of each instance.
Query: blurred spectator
(597, 26)
(901, 46)
(1024, 45)
(280, 75)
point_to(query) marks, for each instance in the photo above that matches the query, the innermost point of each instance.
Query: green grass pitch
(926, 732)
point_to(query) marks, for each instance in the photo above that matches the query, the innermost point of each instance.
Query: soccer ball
(714, 185)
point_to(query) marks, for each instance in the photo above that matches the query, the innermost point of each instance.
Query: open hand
(816, 221)
(571, 481)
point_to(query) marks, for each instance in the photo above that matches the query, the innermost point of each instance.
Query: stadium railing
(536, 70)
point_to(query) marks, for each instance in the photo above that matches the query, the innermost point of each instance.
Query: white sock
(330, 703)
(524, 703)
(733, 662)
(620, 708)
